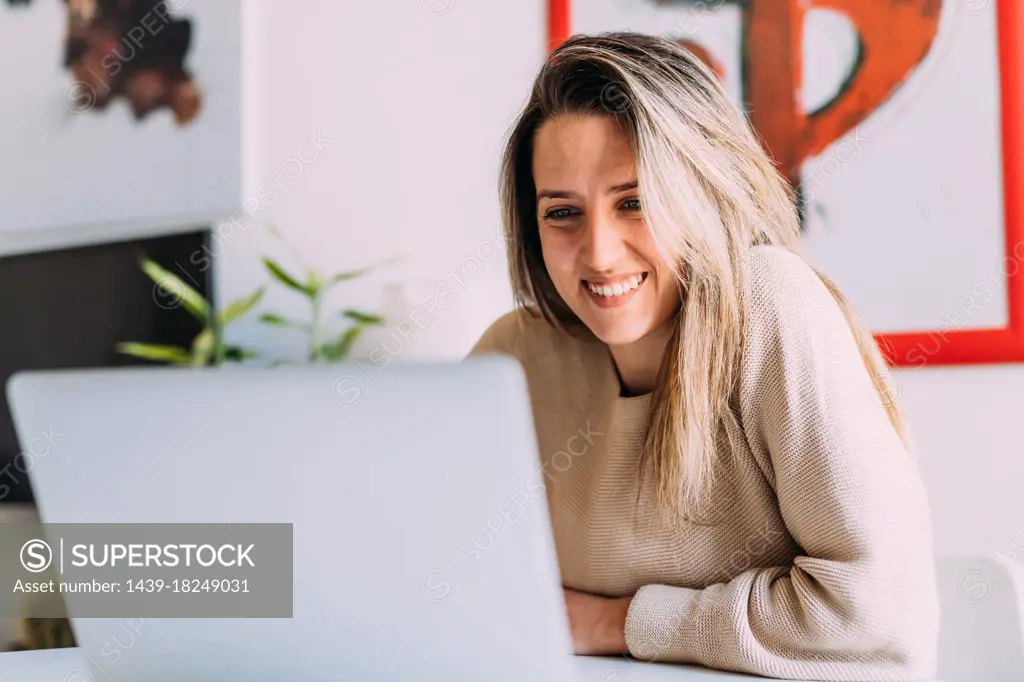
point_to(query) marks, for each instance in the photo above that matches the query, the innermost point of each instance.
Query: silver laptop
(421, 550)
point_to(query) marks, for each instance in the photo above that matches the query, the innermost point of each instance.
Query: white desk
(58, 665)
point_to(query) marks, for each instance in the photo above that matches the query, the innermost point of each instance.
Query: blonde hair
(708, 192)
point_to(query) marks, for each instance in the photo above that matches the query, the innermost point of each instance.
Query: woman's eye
(631, 204)
(558, 214)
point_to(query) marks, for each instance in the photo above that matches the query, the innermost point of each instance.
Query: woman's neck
(637, 364)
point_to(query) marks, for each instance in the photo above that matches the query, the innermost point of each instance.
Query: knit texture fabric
(811, 555)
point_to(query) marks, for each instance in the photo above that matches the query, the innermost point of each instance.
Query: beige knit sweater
(812, 556)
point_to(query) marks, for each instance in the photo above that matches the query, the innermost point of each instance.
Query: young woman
(743, 494)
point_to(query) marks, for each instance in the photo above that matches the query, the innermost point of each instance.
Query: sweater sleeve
(860, 601)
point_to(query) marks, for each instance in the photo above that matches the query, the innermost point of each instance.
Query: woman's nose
(603, 246)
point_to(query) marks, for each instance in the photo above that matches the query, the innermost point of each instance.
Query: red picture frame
(954, 346)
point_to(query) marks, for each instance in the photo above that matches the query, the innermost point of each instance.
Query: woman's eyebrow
(622, 187)
(555, 194)
(564, 194)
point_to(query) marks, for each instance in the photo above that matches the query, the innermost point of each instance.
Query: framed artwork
(118, 117)
(900, 124)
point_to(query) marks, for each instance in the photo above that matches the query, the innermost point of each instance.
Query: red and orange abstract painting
(899, 123)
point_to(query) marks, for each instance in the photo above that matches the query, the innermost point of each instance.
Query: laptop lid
(422, 548)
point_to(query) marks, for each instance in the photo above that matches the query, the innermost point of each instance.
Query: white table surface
(58, 665)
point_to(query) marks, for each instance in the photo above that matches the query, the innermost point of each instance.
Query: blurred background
(199, 182)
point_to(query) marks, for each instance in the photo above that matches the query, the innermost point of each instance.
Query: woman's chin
(618, 332)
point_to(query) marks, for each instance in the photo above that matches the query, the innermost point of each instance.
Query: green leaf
(238, 354)
(353, 274)
(284, 278)
(314, 279)
(240, 307)
(150, 351)
(349, 338)
(279, 321)
(202, 348)
(363, 318)
(340, 349)
(273, 318)
(175, 287)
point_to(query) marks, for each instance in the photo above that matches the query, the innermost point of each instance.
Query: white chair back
(981, 636)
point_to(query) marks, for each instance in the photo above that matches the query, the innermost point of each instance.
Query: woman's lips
(628, 289)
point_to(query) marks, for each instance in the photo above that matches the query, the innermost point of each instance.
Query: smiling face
(597, 248)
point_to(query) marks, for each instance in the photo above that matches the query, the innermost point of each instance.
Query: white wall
(967, 423)
(418, 105)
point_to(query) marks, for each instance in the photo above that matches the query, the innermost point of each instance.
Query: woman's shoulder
(525, 334)
(784, 286)
(776, 268)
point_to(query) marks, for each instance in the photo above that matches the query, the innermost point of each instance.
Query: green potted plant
(208, 347)
(323, 344)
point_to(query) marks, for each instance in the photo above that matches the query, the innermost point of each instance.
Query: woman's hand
(598, 624)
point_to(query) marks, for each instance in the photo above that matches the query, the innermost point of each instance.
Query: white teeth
(617, 289)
